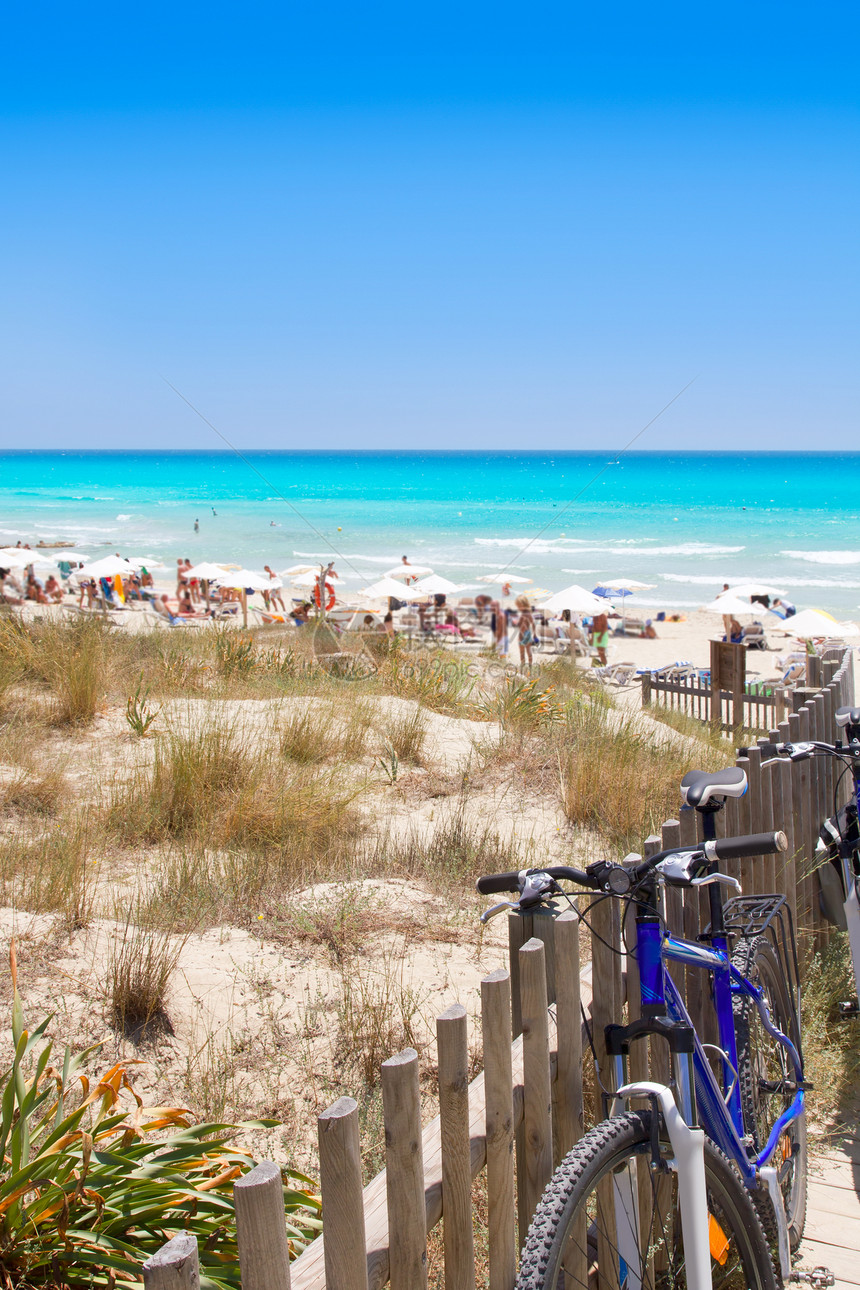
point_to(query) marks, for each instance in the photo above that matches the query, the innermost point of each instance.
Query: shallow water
(685, 522)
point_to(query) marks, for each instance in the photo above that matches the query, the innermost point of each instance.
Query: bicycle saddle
(847, 717)
(699, 786)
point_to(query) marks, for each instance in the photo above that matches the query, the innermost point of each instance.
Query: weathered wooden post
(261, 1229)
(453, 1047)
(499, 1117)
(404, 1166)
(344, 1244)
(534, 1165)
(175, 1266)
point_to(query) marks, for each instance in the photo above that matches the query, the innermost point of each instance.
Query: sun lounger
(619, 674)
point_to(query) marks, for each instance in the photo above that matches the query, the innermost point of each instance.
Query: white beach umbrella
(245, 580)
(752, 589)
(727, 604)
(575, 599)
(206, 570)
(815, 622)
(15, 558)
(408, 571)
(144, 562)
(108, 567)
(504, 578)
(619, 585)
(305, 581)
(68, 555)
(435, 586)
(384, 588)
(298, 568)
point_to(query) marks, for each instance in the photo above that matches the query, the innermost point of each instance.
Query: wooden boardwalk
(832, 1235)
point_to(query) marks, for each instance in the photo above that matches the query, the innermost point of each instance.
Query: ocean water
(685, 522)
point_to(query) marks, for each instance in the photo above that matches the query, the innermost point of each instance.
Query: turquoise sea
(685, 522)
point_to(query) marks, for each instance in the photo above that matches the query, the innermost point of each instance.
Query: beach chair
(619, 674)
(753, 637)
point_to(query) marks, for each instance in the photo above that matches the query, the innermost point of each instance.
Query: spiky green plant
(88, 1192)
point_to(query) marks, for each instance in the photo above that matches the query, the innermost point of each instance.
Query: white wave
(615, 548)
(824, 557)
(578, 570)
(706, 580)
(125, 517)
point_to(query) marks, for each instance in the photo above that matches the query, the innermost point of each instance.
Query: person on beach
(161, 606)
(388, 626)
(275, 594)
(600, 635)
(784, 608)
(53, 590)
(412, 577)
(196, 526)
(526, 631)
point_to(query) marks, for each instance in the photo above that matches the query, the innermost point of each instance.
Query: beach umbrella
(815, 622)
(245, 580)
(68, 555)
(207, 571)
(305, 581)
(15, 558)
(108, 567)
(728, 604)
(298, 568)
(435, 586)
(575, 599)
(408, 571)
(503, 578)
(623, 586)
(385, 588)
(752, 589)
(139, 562)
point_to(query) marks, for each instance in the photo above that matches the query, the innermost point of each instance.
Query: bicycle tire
(556, 1258)
(762, 1061)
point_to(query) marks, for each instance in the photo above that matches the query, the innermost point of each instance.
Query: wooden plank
(841, 1262)
(534, 1167)
(519, 931)
(342, 1196)
(499, 1129)
(453, 1047)
(308, 1271)
(693, 976)
(404, 1169)
(826, 1198)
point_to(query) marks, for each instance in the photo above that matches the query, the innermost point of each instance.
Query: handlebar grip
(493, 883)
(767, 750)
(754, 844)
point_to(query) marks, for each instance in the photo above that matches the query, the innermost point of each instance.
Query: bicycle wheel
(609, 1220)
(765, 1070)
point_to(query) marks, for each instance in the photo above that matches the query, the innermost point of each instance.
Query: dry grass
(213, 787)
(51, 873)
(405, 733)
(36, 794)
(378, 1015)
(140, 964)
(615, 777)
(831, 1043)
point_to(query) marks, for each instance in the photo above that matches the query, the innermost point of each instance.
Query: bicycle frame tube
(721, 1116)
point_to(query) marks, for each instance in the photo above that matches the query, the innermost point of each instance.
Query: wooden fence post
(453, 1047)
(692, 927)
(261, 1229)
(499, 1114)
(519, 931)
(344, 1243)
(567, 1106)
(534, 1165)
(767, 820)
(404, 1165)
(175, 1266)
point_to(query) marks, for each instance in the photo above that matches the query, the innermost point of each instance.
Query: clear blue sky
(451, 225)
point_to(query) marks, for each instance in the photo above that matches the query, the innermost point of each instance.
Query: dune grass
(52, 872)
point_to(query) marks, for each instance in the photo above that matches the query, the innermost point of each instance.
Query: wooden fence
(530, 1104)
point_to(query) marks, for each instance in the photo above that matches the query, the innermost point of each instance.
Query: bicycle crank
(818, 1278)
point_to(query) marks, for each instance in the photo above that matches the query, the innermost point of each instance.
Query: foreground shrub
(87, 1189)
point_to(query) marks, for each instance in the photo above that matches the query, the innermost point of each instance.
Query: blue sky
(464, 225)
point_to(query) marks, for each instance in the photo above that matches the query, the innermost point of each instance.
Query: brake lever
(497, 909)
(725, 878)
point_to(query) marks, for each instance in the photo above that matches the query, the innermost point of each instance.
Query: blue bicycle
(705, 1187)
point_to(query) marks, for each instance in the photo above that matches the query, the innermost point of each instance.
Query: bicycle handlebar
(753, 844)
(619, 879)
